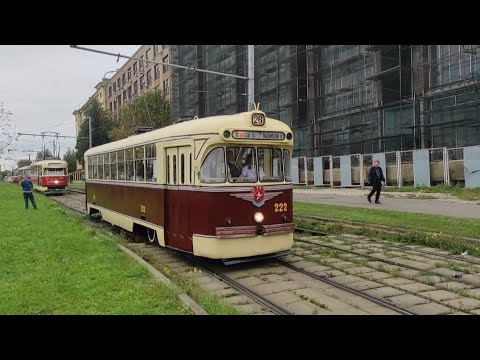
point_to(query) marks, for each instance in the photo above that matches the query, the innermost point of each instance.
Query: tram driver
(248, 172)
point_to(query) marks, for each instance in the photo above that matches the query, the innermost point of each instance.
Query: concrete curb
(187, 300)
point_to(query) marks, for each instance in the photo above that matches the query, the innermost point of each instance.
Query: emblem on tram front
(257, 196)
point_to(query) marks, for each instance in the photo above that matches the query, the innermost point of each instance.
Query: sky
(43, 84)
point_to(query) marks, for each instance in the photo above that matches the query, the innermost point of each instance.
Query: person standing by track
(27, 187)
(375, 178)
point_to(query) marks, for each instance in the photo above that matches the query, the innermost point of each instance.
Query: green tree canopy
(40, 154)
(22, 163)
(149, 109)
(71, 158)
(101, 126)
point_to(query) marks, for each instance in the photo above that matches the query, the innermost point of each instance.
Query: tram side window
(113, 165)
(175, 169)
(191, 169)
(286, 165)
(100, 166)
(106, 166)
(90, 167)
(151, 162)
(167, 181)
(213, 167)
(121, 164)
(140, 163)
(182, 169)
(129, 168)
(95, 167)
(270, 165)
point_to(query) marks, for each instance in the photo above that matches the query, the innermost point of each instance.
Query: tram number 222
(280, 207)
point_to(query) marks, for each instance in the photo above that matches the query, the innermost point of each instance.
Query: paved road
(359, 199)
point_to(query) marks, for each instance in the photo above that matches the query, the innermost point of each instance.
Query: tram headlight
(258, 217)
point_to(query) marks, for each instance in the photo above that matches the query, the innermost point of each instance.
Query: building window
(149, 78)
(119, 100)
(130, 92)
(124, 78)
(125, 96)
(114, 88)
(135, 67)
(157, 88)
(165, 60)
(115, 104)
(158, 48)
(147, 54)
(110, 91)
(135, 87)
(166, 87)
(157, 71)
(163, 47)
(141, 62)
(119, 84)
(129, 74)
(141, 82)
(111, 107)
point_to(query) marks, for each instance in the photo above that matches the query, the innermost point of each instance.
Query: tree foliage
(22, 163)
(148, 109)
(71, 158)
(101, 126)
(41, 155)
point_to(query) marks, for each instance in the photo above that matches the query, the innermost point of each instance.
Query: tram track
(400, 247)
(273, 307)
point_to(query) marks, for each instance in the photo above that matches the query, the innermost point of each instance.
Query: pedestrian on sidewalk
(375, 178)
(27, 187)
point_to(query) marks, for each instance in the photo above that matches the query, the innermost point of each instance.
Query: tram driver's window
(270, 167)
(129, 171)
(241, 164)
(213, 167)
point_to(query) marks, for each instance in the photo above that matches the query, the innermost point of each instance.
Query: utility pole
(251, 77)
(90, 130)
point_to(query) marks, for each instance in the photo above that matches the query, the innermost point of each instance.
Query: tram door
(177, 199)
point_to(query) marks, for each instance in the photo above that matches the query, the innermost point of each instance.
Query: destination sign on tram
(258, 135)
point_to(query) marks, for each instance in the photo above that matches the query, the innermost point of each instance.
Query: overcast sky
(43, 84)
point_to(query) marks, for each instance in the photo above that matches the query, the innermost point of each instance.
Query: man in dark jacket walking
(27, 187)
(375, 178)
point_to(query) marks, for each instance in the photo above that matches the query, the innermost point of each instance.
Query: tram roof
(48, 162)
(212, 125)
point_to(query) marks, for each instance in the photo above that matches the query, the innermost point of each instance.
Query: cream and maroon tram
(49, 176)
(216, 187)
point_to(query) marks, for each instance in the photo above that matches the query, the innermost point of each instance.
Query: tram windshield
(246, 164)
(54, 171)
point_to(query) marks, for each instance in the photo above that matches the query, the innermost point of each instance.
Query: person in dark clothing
(375, 178)
(27, 187)
(235, 169)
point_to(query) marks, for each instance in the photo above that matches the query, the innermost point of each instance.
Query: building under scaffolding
(342, 99)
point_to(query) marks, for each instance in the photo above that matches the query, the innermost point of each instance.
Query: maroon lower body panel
(182, 213)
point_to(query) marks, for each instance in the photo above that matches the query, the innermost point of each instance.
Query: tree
(40, 154)
(71, 158)
(23, 162)
(101, 126)
(149, 109)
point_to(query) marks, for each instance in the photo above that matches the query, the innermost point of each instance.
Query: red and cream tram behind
(49, 176)
(217, 187)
